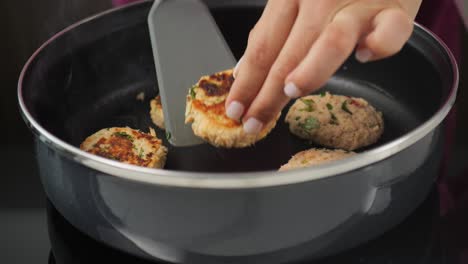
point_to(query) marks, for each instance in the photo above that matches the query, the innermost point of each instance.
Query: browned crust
(120, 146)
(217, 84)
(206, 111)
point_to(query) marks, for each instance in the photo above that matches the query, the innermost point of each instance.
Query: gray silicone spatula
(187, 44)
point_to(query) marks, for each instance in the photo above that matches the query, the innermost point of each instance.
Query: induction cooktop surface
(33, 231)
(424, 237)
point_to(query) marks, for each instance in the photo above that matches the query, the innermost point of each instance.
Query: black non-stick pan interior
(89, 79)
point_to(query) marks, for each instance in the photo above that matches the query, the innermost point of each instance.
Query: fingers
(264, 44)
(392, 28)
(294, 49)
(331, 49)
(271, 98)
(236, 69)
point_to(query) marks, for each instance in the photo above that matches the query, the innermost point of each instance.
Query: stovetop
(416, 240)
(424, 237)
(33, 231)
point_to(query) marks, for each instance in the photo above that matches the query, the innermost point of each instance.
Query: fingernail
(253, 126)
(363, 55)
(235, 110)
(236, 69)
(291, 90)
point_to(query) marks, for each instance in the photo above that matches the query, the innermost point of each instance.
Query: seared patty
(206, 111)
(156, 112)
(127, 145)
(313, 157)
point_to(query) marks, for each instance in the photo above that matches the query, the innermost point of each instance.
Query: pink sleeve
(463, 9)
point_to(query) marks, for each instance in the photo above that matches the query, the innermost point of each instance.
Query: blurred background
(25, 26)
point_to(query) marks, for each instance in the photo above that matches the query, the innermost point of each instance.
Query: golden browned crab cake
(335, 121)
(206, 111)
(127, 145)
(314, 157)
(156, 112)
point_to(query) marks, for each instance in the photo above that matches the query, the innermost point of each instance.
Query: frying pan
(228, 206)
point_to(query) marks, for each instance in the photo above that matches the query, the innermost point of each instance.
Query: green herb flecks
(309, 124)
(168, 135)
(123, 135)
(297, 118)
(322, 94)
(141, 153)
(334, 120)
(329, 106)
(192, 92)
(344, 107)
(112, 157)
(309, 105)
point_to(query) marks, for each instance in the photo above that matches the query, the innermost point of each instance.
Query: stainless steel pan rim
(231, 180)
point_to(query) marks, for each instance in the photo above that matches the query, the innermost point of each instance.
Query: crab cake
(314, 157)
(206, 111)
(335, 121)
(127, 145)
(156, 112)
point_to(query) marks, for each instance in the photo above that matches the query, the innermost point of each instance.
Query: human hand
(297, 45)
